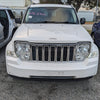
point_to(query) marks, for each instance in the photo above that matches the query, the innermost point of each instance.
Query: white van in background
(88, 15)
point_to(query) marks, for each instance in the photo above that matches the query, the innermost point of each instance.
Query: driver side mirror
(82, 20)
(18, 20)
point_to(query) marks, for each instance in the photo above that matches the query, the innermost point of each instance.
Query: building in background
(89, 15)
(18, 6)
(13, 3)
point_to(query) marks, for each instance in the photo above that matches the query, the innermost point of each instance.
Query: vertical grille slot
(53, 52)
(46, 53)
(58, 53)
(34, 53)
(71, 53)
(65, 54)
(40, 53)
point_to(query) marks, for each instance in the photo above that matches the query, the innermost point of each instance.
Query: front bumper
(66, 70)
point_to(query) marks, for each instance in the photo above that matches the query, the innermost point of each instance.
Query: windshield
(51, 15)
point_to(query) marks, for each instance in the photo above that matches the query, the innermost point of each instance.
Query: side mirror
(18, 20)
(82, 20)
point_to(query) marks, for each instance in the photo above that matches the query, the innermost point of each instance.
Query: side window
(3, 14)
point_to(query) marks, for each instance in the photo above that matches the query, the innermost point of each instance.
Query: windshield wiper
(47, 22)
(58, 22)
(55, 22)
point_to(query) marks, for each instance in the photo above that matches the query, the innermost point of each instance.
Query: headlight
(82, 51)
(22, 50)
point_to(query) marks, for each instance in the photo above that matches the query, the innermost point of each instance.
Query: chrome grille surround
(53, 52)
(68, 51)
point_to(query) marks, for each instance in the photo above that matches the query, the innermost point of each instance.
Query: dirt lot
(34, 89)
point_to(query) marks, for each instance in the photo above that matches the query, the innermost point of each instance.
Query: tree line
(75, 3)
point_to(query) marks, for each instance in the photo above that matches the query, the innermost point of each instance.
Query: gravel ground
(34, 89)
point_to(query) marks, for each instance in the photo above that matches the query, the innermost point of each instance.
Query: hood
(52, 33)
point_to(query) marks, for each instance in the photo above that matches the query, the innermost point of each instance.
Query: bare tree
(75, 3)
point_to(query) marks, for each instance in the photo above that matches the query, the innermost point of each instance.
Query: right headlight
(22, 50)
(82, 51)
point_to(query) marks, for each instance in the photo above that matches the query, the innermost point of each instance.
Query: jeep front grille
(53, 52)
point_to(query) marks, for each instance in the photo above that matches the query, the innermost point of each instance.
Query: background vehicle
(96, 33)
(51, 43)
(1, 32)
(7, 20)
(88, 15)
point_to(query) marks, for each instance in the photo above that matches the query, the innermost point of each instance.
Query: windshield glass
(51, 15)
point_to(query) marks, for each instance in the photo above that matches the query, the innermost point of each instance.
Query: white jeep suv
(51, 43)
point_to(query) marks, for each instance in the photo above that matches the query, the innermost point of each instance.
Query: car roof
(51, 5)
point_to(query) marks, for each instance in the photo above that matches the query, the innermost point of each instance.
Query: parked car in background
(1, 33)
(19, 13)
(7, 24)
(51, 43)
(96, 33)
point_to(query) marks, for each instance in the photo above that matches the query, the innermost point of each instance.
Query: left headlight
(22, 50)
(82, 51)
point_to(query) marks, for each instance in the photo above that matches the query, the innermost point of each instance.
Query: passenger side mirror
(18, 20)
(82, 20)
